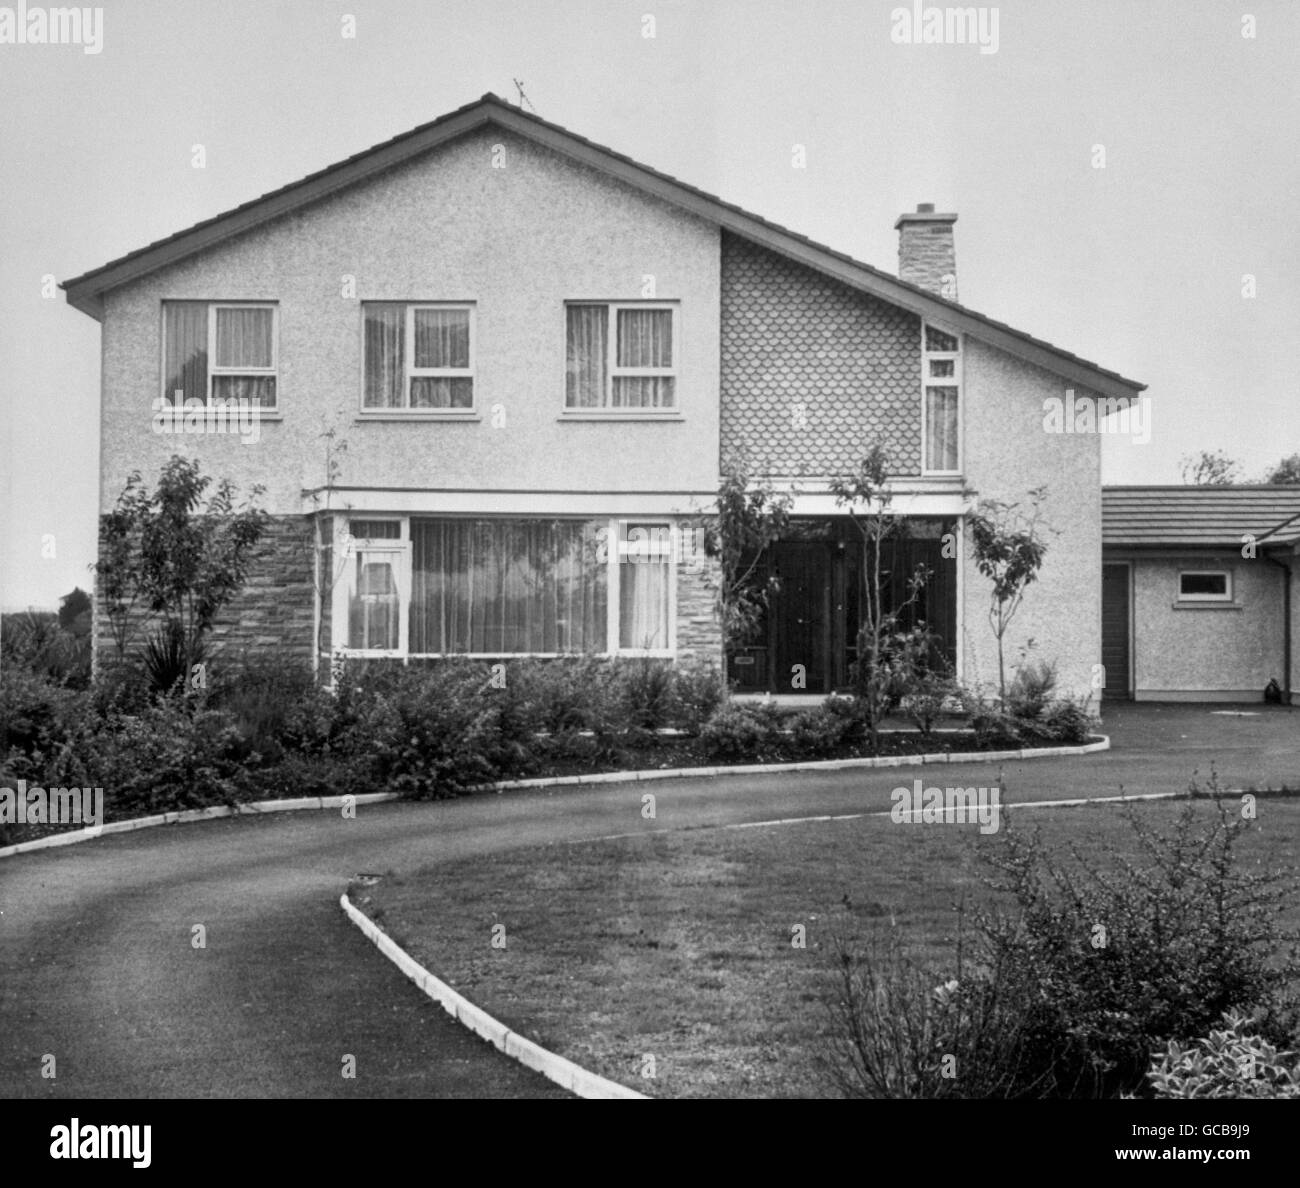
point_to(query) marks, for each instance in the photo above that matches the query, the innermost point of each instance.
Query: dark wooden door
(801, 620)
(1116, 646)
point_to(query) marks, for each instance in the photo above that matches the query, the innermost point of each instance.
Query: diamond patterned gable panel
(814, 373)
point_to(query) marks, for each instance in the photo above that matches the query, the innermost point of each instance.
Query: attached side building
(1201, 592)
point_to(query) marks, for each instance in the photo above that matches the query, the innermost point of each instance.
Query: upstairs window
(621, 358)
(941, 379)
(418, 358)
(219, 353)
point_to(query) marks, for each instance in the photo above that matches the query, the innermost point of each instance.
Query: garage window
(1204, 585)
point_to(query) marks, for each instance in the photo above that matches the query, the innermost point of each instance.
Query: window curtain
(588, 356)
(941, 428)
(643, 602)
(385, 333)
(506, 586)
(256, 390)
(441, 340)
(185, 338)
(244, 338)
(442, 391)
(645, 339)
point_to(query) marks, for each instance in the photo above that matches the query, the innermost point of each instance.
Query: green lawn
(679, 945)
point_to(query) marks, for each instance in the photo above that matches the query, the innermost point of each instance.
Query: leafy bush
(851, 712)
(36, 714)
(991, 725)
(1031, 689)
(699, 691)
(742, 733)
(1229, 1062)
(1122, 960)
(1065, 720)
(819, 732)
(645, 692)
(569, 694)
(324, 774)
(39, 644)
(1095, 970)
(432, 733)
(172, 755)
(276, 704)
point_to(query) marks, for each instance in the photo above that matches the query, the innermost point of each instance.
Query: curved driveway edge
(180, 816)
(555, 1068)
(73, 836)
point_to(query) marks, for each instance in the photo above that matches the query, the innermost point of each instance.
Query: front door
(800, 622)
(1116, 649)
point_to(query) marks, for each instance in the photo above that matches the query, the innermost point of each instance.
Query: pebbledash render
(533, 355)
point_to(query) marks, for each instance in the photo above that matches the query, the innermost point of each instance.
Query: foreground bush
(898, 1034)
(1088, 973)
(1128, 957)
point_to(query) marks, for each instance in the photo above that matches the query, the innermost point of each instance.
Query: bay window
(442, 586)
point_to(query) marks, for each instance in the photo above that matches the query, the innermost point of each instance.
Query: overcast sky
(1138, 265)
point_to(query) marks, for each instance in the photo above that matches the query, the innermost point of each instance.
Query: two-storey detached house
(530, 353)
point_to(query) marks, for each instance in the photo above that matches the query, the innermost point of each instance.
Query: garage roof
(1209, 516)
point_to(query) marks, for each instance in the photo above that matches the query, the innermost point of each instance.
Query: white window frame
(610, 527)
(212, 369)
(613, 583)
(953, 381)
(344, 590)
(614, 371)
(410, 371)
(1226, 596)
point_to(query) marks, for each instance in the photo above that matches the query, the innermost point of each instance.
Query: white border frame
(1226, 596)
(211, 367)
(613, 370)
(957, 380)
(343, 588)
(406, 412)
(613, 558)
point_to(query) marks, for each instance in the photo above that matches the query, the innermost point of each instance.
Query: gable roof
(86, 292)
(1200, 517)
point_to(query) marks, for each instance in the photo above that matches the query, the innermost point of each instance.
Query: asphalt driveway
(98, 966)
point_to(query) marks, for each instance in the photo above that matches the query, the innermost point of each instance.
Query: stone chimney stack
(926, 256)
